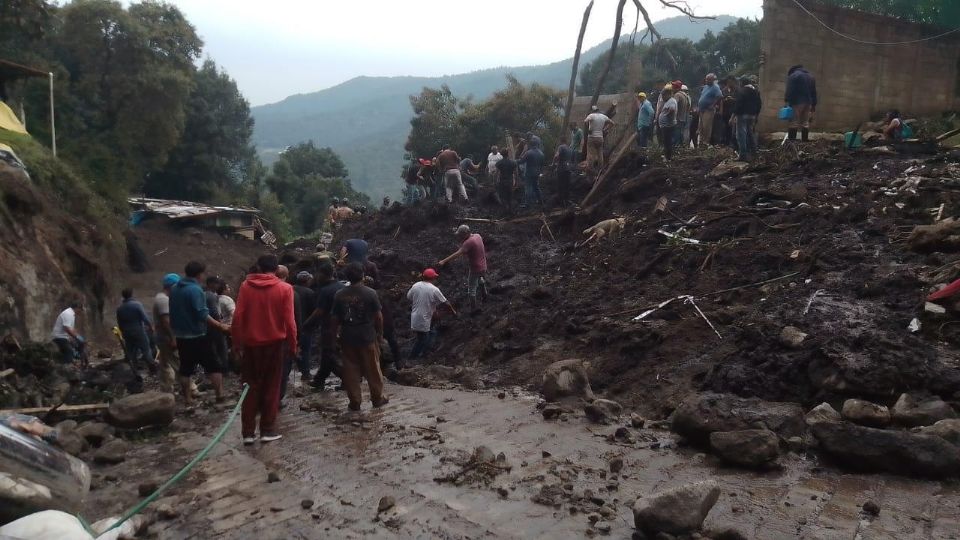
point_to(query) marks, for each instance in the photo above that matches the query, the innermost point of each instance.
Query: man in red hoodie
(264, 329)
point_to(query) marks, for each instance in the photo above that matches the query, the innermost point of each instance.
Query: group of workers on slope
(272, 325)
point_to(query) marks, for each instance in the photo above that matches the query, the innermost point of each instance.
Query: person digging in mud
(327, 288)
(64, 334)
(218, 339)
(134, 326)
(532, 161)
(264, 334)
(169, 364)
(467, 169)
(425, 298)
(493, 158)
(563, 160)
(449, 162)
(471, 246)
(597, 125)
(357, 320)
(190, 320)
(801, 95)
(576, 138)
(667, 122)
(506, 181)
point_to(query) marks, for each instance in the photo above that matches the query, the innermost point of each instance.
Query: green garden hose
(176, 478)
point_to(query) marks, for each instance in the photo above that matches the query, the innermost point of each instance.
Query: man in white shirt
(597, 124)
(493, 158)
(65, 335)
(426, 298)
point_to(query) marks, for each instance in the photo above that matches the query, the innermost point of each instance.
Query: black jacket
(801, 88)
(748, 101)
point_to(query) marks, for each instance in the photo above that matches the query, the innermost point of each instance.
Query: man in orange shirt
(264, 329)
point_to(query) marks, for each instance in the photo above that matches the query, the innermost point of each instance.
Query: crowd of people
(272, 324)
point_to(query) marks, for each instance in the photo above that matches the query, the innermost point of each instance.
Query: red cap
(430, 273)
(677, 84)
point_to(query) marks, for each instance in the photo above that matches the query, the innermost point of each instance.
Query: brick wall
(855, 81)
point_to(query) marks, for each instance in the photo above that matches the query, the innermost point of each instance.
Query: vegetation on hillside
(136, 115)
(944, 13)
(733, 51)
(470, 128)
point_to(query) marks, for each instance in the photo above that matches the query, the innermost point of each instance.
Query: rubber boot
(805, 135)
(792, 134)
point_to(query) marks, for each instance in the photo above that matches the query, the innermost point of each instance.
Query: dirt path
(345, 464)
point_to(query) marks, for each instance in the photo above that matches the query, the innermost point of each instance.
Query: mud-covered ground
(820, 224)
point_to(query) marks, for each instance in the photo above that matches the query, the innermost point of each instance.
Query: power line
(857, 40)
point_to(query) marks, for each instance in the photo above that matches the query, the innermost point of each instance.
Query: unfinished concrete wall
(625, 121)
(855, 81)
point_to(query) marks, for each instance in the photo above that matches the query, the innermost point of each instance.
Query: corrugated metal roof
(184, 209)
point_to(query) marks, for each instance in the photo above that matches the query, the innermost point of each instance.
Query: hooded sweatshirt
(264, 312)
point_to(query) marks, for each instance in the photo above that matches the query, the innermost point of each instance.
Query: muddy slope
(823, 226)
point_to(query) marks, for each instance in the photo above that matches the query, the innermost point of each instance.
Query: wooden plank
(64, 408)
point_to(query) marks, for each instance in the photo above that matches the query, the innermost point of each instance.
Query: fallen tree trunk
(610, 166)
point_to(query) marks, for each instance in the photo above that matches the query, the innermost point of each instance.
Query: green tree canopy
(945, 13)
(214, 155)
(735, 50)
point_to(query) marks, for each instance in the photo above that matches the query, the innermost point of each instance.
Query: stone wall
(856, 81)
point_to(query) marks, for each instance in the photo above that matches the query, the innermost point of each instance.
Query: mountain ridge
(371, 141)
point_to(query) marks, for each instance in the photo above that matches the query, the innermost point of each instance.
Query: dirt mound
(813, 241)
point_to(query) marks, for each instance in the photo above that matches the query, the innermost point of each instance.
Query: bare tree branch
(573, 71)
(613, 53)
(683, 7)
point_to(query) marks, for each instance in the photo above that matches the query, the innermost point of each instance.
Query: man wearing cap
(471, 246)
(644, 120)
(683, 113)
(707, 107)
(597, 124)
(425, 298)
(166, 341)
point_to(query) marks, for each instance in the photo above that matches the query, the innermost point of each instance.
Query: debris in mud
(702, 415)
(823, 412)
(899, 452)
(603, 411)
(142, 410)
(566, 379)
(912, 412)
(112, 453)
(146, 488)
(948, 430)
(386, 502)
(752, 448)
(871, 507)
(676, 511)
(481, 468)
(167, 512)
(272, 477)
(615, 464)
(306, 504)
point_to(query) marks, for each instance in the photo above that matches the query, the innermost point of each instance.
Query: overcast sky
(277, 48)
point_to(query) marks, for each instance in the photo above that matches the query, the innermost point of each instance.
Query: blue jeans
(746, 138)
(306, 346)
(424, 341)
(678, 133)
(644, 134)
(531, 190)
(137, 346)
(439, 187)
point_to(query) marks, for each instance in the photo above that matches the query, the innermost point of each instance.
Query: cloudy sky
(282, 47)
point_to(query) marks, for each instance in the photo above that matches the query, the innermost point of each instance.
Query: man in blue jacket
(644, 120)
(801, 94)
(189, 319)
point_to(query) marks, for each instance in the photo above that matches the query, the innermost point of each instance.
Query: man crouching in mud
(357, 318)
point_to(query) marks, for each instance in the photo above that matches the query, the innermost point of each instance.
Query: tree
(617, 81)
(130, 73)
(305, 159)
(735, 50)
(943, 13)
(435, 112)
(214, 155)
(670, 59)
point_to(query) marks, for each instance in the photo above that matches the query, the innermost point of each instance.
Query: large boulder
(752, 448)
(676, 511)
(901, 452)
(912, 412)
(865, 413)
(949, 430)
(142, 410)
(566, 379)
(698, 417)
(823, 412)
(112, 452)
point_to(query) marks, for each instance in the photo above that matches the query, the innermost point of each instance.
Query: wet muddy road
(346, 464)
